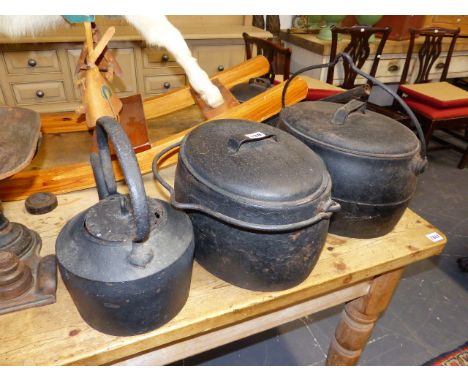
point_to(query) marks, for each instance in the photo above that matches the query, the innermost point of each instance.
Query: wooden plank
(56, 335)
(192, 346)
(79, 176)
(229, 102)
(212, 27)
(157, 106)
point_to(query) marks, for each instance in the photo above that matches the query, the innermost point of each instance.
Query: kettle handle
(107, 127)
(347, 57)
(326, 212)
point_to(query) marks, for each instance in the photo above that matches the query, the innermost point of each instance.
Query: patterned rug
(456, 357)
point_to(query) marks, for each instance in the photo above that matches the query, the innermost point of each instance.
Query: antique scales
(26, 279)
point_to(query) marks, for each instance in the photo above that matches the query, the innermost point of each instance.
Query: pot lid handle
(346, 57)
(234, 143)
(265, 82)
(326, 210)
(342, 113)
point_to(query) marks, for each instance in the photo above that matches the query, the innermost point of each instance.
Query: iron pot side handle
(347, 57)
(107, 127)
(327, 209)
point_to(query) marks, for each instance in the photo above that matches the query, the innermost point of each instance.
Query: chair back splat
(358, 48)
(429, 52)
(278, 56)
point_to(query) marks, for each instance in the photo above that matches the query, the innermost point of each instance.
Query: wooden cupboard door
(2, 99)
(32, 61)
(125, 86)
(216, 58)
(453, 20)
(445, 21)
(38, 92)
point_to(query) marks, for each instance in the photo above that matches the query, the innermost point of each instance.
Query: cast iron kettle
(259, 201)
(373, 160)
(127, 260)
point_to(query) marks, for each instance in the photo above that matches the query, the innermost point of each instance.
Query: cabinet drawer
(155, 58)
(124, 86)
(39, 92)
(161, 84)
(215, 59)
(458, 67)
(32, 61)
(388, 70)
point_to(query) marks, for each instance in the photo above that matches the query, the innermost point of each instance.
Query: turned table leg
(358, 320)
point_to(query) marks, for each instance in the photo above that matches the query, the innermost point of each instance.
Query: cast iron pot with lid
(373, 161)
(127, 260)
(259, 201)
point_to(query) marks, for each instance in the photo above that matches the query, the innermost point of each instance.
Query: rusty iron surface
(19, 135)
(41, 203)
(27, 282)
(15, 277)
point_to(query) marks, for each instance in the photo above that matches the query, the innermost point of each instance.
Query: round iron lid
(112, 218)
(361, 132)
(253, 161)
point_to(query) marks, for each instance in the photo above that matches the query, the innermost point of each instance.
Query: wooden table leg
(358, 320)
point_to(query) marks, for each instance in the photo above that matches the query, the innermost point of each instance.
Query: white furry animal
(156, 30)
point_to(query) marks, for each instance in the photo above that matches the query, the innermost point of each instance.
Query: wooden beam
(207, 341)
(79, 176)
(157, 106)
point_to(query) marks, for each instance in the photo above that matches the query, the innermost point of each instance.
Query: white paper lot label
(434, 236)
(256, 135)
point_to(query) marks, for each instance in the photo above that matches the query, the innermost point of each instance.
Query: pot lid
(95, 248)
(112, 219)
(352, 129)
(254, 161)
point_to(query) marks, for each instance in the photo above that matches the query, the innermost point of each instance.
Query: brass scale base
(26, 273)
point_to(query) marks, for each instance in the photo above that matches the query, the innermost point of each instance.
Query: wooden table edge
(108, 356)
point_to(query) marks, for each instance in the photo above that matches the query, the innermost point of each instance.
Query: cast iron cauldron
(259, 201)
(127, 260)
(373, 160)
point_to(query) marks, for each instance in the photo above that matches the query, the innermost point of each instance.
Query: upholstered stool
(444, 106)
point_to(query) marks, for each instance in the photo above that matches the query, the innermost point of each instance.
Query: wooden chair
(429, 52)
(278, 56)
(358, 48)
(438, 105)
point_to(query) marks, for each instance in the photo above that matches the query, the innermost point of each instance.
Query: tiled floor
(429, 311)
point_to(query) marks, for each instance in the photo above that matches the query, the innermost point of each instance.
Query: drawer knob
(440, 65)
(393, 68)
(220, 68)
(165, 57)
(40, 93)
(167, 85)
(32, 62)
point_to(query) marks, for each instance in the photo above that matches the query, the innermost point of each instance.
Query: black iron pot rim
(326, 180)
(341, 200)
(355, 153)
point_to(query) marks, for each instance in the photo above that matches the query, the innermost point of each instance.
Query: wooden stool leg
(429, 131)
(464, 159)
(358, 320)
